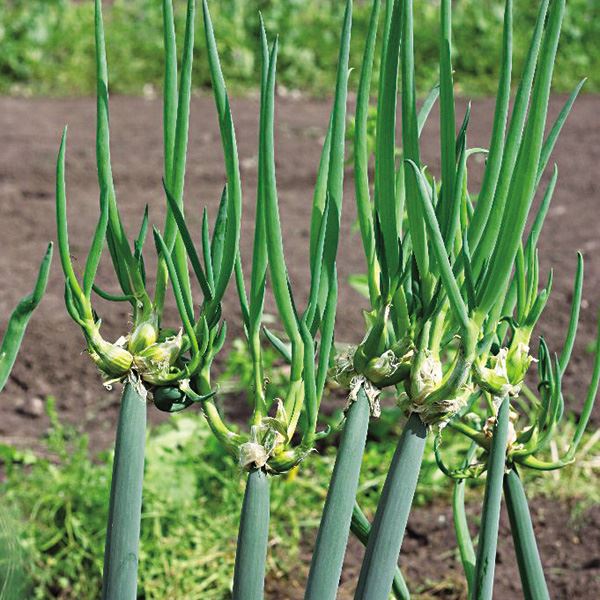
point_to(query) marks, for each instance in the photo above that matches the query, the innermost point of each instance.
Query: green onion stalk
(509, 423)
(19, 319)
(451, 320)
(283, 432)
(169, 365)
(361, 528)
(517, 424)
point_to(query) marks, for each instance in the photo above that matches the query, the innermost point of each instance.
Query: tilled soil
(52, 361)
(430, 564)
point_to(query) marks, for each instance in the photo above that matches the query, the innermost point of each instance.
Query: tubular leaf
(550, 141)
(335, 173)
(488, 236)
(232, 168)
(447, 122)
(170, 89)
(361, 154)
(410, 143)
(185, 311)
(385, 192)
(437, 244)
(188, 243)
(277, 267)
(259, 252)
(494, 159)
(565, 355)
(93, 259)
(117, 239)
(218, 236)
(18, 320)
(590, 399)
(522, 186)
(61, 222)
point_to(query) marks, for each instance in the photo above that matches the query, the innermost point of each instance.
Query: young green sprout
(441, 281)
(19, 318)
(171, 365)
(282, 435)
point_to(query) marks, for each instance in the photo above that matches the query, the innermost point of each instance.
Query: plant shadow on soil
(52, 361)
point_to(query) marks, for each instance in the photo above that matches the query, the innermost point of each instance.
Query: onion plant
(454, 292)
(19, 319)
(453, 281)
(523, 429)
(280, 435)
(169, 365)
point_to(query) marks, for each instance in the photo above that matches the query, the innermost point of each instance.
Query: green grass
(47, 45)
(52, 540)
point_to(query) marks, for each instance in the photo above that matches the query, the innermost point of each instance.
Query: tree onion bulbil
(169, 365)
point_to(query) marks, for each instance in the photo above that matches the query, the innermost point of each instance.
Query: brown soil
(52, 361)
(431, 566)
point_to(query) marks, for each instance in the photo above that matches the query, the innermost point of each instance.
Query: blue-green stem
(528, 556)
(461, 525)
(385, 540)
(123, 530)
(330, 547)
(490, 519)
(361, 528)
(253, 537)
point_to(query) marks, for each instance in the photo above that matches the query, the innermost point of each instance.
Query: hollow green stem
(328, 557)
(490, 520)
(361, 528)
(461, 525)
(228, 438)
(253, 537)
(383, 548)
(123, 530)
(528, 556)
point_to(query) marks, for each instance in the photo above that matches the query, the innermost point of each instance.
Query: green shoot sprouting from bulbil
(270, 447)
(268, 444)
(19, 318)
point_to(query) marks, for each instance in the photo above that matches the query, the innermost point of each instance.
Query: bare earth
(52, 361)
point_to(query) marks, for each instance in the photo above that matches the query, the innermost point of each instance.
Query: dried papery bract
(171, 366)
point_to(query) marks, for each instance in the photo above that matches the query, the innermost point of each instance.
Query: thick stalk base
(330, 547)
(385, 539)
(119, 580)
(253, 537)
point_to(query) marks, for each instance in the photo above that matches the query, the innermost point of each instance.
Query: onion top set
(454, 296)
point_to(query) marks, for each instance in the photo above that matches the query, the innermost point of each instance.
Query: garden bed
(52, 360)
